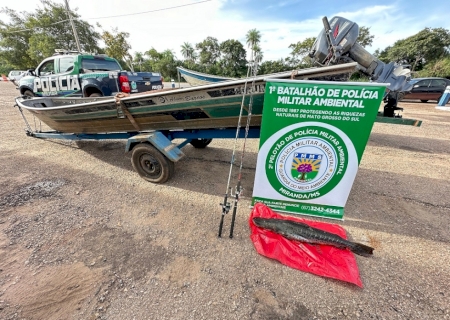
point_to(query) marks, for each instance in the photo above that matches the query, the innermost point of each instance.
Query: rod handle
(233, 218)
(221, 225)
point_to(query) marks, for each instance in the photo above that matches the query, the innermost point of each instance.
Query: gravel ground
(82, 236)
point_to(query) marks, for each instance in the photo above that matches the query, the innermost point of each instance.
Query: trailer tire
(151, 164)
(28, 93)
(200, 143)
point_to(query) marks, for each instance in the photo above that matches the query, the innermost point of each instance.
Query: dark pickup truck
(77, 74)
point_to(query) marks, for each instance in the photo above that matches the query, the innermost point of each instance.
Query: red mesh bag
(323, 260)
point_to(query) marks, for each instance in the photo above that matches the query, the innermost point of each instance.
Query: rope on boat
(238, 189)
(294, 73)
(120, 104)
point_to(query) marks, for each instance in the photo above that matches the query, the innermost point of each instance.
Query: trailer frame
(153, 152)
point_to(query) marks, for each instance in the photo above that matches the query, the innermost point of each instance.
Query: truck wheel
(424, 101)
(95, 95)
(200, 143)
(28, 93)
(151, 164)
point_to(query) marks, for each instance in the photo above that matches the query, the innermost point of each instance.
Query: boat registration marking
(169, 99)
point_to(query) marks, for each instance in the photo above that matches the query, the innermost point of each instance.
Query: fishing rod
(226, 206)
(225, 209)
(247, 127)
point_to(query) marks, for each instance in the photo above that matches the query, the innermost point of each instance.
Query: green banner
(313, 135)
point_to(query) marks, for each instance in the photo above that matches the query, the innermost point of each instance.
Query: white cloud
(169, 29)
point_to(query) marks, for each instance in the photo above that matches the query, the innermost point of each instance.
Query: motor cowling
(337, 43)
(342, 34)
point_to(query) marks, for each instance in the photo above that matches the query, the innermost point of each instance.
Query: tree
(138, 59)
(253, 38)
(117, 46)
(426, 46)
(168, 64)
(14, 42)
(274, 66)
(4, 67)
(188, 52)
(257, 51)
(365, 39)
(151, 58)
(304, 169)
(437, 68)
(299, 54)
(233, 58)
(30, 37)
(164, 62)
(209, 51)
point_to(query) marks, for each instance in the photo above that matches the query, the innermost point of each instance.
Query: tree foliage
(167, 65)
(233, 62)
(437, 68)
(138, 59)
(14, 43)
(253, 38)
(299, 54)
(258, 53)
(270, 66)
(365, 39)
(117, 46)
(209, 51)
(427, 46)
(4, 67)
(30, 37)
(188, 52)
(164, 62)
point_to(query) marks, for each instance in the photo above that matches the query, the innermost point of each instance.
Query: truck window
(100, 64)
(66, 64)
(47, 68)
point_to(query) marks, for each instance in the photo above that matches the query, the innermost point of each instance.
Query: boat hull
(203, 107)
(195, 78)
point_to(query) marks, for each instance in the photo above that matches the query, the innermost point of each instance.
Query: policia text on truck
(75, 74)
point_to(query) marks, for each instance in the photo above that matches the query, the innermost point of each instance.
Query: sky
(168, 24)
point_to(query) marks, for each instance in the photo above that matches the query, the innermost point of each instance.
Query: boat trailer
(153, 153)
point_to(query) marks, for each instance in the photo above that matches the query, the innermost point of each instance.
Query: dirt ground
(82, 236)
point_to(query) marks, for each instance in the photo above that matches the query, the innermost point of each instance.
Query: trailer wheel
(151, 164)
(200, 143)
(28, 93)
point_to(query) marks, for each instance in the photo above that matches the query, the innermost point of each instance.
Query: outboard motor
(337, 44)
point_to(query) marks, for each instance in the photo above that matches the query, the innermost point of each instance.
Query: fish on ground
(302, 232)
